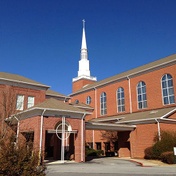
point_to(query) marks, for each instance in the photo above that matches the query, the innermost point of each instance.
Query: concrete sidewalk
(142, 162)
(150, 163)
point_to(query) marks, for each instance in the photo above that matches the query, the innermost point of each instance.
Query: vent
(153, 112)
(76, 101)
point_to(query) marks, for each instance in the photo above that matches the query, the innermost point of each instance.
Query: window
(120, 99)
(107, 146)
(30, 102)
(141, 95)
(20, 102)
(98, 145)
(103, 107)
(88, 100)
(167, 89)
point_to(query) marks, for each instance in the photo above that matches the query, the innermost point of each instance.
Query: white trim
(123, 77)
(41, 135)
(28, 83)
(159, 130)
(170, 112)
(63, 140)
(82, 138)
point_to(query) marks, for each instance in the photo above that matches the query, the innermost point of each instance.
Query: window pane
(166, 100)
(30, 102)
(20, 102)
(170, 83)
(165, 92)
(171, 91)
(172, 99)
(163, 84)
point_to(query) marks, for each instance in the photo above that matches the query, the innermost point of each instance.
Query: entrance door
(53, 146)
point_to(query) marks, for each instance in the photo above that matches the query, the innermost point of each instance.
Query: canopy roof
(109, 126)
(141, 117)
(51, 108)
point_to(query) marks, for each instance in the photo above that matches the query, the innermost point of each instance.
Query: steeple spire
(84, 45)
(84, 71)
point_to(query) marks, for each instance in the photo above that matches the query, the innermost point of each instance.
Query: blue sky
(41, 39)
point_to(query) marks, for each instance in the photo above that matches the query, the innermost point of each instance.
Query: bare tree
(109, 136)
(7, 108)
(15, 159)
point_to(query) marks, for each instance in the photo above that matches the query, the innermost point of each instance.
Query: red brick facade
(135, 142)
(31, 124)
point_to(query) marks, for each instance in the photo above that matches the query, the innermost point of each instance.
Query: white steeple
(84, 71)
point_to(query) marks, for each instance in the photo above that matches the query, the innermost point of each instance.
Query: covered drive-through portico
(137, 131)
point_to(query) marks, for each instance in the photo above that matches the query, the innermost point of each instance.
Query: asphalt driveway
(111, 166)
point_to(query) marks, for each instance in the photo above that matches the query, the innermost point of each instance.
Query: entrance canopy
(109, 126)
(50, 108)
(164, 115)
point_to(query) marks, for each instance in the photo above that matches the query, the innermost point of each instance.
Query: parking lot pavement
(108, 167)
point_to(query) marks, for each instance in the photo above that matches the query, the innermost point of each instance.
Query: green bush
(167, 157)
(166, 144)
(92, 152)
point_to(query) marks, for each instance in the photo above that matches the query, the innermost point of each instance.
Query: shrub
(18, 161)
(167, 157)
(148, 153)
(167, 142)
(92, 152)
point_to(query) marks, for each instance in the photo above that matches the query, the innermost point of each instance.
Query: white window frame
(88, 100)
(30, 101)
(20, 102)
(142, 102)
(168, 89)
(103, 103)
(120, 99)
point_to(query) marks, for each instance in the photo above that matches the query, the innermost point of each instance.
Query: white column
(159, 131)
(63, 140)
(41, 136)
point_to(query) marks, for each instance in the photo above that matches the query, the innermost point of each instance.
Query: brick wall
(142, 137)
(80, 84)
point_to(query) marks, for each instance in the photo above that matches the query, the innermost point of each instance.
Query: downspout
(18, 129)
(159, 131)
(41, 135)
(93, 131)
(129, 88)
(82, 138)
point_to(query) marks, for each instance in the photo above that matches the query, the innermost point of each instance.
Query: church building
(135, 106)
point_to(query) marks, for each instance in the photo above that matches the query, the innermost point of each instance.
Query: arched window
(88, 100)
(120, 99)
(103, 107)
(167, 89)
(141, 95)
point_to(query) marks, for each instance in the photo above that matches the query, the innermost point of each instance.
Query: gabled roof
(50, 92)
(82, 105)
(20, 79)
(140, 117)
(51, 107)
(145, 68)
